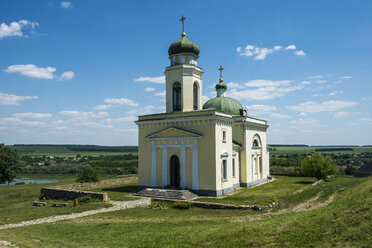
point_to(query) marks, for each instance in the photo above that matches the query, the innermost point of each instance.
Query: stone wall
(57, 193)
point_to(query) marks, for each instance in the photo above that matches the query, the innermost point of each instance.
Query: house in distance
(210, 149)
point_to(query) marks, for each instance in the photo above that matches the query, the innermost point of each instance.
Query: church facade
(209, 149)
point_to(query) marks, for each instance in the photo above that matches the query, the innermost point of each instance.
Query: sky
(80, 72)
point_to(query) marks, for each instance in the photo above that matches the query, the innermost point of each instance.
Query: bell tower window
(176, 96)
(195, 96)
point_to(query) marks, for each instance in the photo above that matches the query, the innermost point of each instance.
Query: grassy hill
(331, 214)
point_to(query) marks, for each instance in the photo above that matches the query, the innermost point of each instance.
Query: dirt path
(308, 205)
(117, 205)
(5, 244)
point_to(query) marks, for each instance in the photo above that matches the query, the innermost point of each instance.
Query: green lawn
(121, 192)
(344, 222)
(16, 202)
(263, 194)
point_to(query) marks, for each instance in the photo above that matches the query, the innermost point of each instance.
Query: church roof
(183, 45)
(224, 104)
(173, 132)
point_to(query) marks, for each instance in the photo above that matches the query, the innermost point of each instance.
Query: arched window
(176, 96)
(195, 96)
(256, 141)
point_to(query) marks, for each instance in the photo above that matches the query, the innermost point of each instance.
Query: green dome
(221, 85)
(183, 45)
(224, 104)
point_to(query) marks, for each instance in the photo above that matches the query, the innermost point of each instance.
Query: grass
(121, 192)
(308, 150)
(16, 202)
(344, 222)
(263, 194)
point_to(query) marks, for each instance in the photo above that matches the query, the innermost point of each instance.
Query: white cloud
(306, 125)
(83, 115)
(233, 85)
(15, 28)
(205, 99)
(281, 116)
(329, 106)
(305, 82)
(290, 47)
(265, 83)
(320, 81)
(158, 80)
(300, 53)
(333, 93)
(258, 109)
(33, 115)
(103, 106)
(13, 121)
(121, 101)
(302, 114)
(162, 94)
(66, 5)
(115, 103)
(341, 114)
(6, 99)
(263, 93)
(316, 77)
(259, 53)
(346, 77)
(149, 89)
(67, 75)
(32, 71)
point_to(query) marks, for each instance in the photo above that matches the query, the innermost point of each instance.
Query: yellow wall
(206, 148)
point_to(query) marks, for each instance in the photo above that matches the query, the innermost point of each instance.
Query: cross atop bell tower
(221, 69)
(183, 26)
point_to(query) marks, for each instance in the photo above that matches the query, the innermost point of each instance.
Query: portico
(174, 147)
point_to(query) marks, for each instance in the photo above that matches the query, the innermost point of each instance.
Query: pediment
(173, 132)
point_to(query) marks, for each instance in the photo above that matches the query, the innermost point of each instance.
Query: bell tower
(183, 77)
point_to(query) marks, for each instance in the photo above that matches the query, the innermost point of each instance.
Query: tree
(9, 164)
(88, 174)
(318, 166)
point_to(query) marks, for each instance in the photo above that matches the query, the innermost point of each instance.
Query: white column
(183, 167)
(253, 168)
(164, 174)
(153, 167)
(258, 167)
(195, 169)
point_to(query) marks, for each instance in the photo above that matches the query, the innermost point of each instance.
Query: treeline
(339, 149)
(95, 148)
(82, 148)
(279, 145)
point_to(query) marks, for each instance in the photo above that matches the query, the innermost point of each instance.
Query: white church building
(209, 149)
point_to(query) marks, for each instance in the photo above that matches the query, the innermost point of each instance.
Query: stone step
(166, 194)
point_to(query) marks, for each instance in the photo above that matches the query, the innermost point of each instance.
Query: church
(208, 149)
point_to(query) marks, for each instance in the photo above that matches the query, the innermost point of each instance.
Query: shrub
(181, 205)
(317, 166)
(88, 174)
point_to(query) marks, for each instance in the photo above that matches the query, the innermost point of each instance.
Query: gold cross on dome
(183, 25)
(221, 69)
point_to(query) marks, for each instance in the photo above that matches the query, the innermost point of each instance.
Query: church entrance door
(174, 172)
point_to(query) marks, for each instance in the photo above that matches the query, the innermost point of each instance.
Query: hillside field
(330, 214)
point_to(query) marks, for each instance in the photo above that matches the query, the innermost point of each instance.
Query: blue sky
(80, 72)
